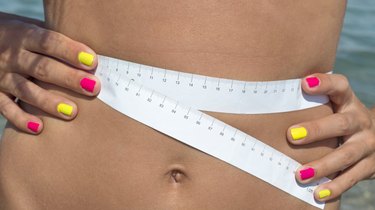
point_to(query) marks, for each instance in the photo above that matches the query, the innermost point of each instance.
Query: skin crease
(104, 160)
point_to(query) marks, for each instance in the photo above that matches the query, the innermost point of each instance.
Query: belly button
(176, 176)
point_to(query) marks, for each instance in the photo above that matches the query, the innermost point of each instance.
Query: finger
(340, 159)
(22, 120)
(61, 47)
(331, 190)
(32, 94)
(52, 71)
(339, 124)
(336, 86)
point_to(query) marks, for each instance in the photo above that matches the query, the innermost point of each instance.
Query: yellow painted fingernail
(324, 193)
(298, 133)
(86, 58)
(65, 109)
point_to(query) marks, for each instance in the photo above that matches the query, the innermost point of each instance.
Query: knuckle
(5, 107)
(20, 62)
(340, 88)
(369, 141)
(41, 69)
(343, 123)
(12, 60)
(345, 86)
(31, 30)
(348, 158)
(4, 81)
(40, 100)
(365, 122)
(364, 117)
(5, 59)
(21, 89)
(48, 40)
(343, 80)
(351, 182)
(314, 129)
(69, 80)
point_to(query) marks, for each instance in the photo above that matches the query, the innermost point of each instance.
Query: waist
(105, 145)
(258, 125)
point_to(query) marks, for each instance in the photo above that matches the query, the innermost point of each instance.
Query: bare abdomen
(104, 160)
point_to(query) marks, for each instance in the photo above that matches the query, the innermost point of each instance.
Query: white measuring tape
(168, 101)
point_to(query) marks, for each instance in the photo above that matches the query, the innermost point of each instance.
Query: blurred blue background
(355, 59)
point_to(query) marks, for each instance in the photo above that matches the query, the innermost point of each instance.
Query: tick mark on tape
(118, 79)
(175, 108)
(198, 122)
(262, 153)
(187, 114)
(139, 91)
(222, 132)
(117, 66)
(266, 89)
(244, 141)
(244, 88)
(191, 81)
(127, 87)
(211, 126)
(279, 163)
(253, 147)
(204, 84)
(178, 78)
(139, 71)
(231, 86)
(218, 85)
(162, 103)
(234, 135)
(152, 72)
(149, 99)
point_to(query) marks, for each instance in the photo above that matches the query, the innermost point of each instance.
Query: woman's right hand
(27, 50)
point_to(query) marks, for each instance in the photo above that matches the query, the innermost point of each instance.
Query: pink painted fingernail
(88, 84)
(306, 173)
(312, 81)
(33, 126)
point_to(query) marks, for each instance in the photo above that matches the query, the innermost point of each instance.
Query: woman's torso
(105, 160)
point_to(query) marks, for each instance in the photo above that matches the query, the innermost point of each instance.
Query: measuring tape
(169, 101)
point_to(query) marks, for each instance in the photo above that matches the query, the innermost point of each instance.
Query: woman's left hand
(355, 158)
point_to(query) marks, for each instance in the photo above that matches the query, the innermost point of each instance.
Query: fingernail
(324, 193)
(88, 84)
(86, 58)
(33, 126)
(65, 109)
(298, 133)
(306, 173)
(312, 81)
